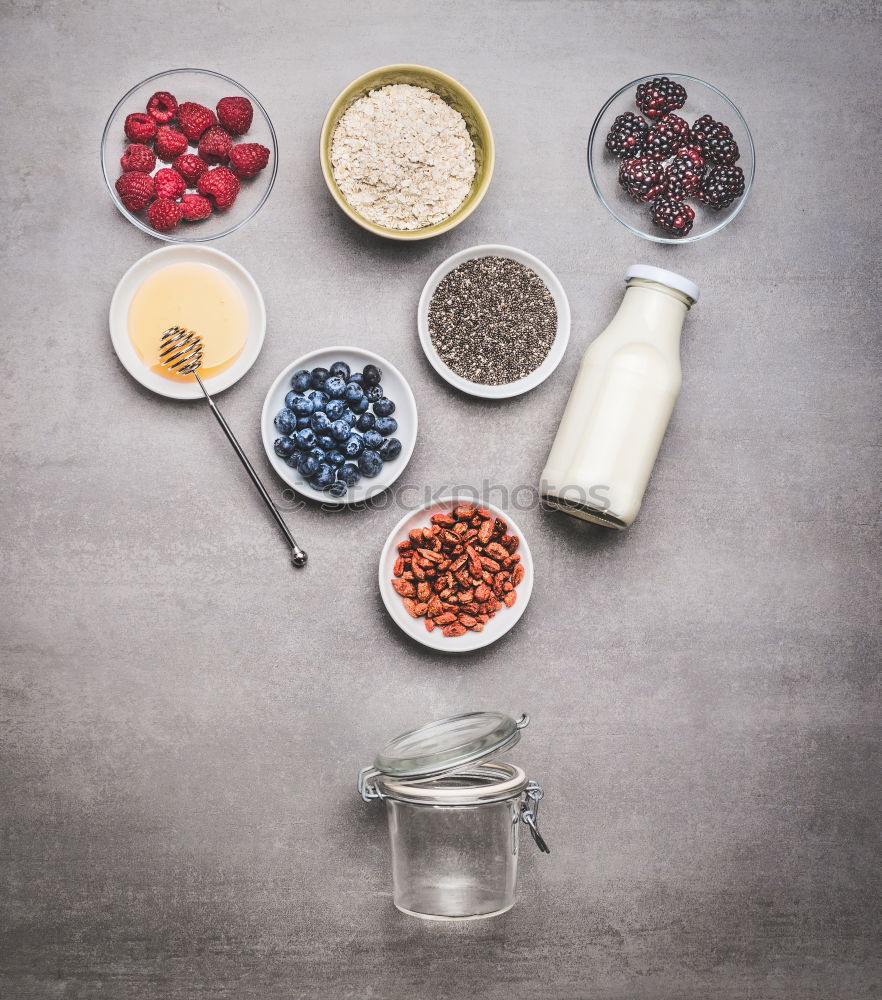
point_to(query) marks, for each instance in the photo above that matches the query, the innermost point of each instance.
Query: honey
(198, 297)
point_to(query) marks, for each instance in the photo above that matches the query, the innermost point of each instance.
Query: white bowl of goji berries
(208, 155)
(456, 574)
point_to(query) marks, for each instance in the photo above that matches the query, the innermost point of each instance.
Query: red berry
(194, 207)
(135, 190)
(194, 119)
(169, 143)
(248, 159)
(162, 107)
(138, 157)
(222, 184)
(190, 167)
(140, 127)
(169, 184)
(215, 145)
(164, 214)
(235, 114)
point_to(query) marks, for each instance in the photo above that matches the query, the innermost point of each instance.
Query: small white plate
(395, 388)
(561, 338)
(132, 280)
(502, 622)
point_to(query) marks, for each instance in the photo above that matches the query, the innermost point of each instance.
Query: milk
(621, 402)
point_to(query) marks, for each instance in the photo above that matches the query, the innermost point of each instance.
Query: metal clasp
(365, 790)
(530, 814)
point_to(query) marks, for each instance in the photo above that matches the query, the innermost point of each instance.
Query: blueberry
(308, 465)
(289, 399)
(352, 393)
(370, 463)
(335, 458)
(335, 409)
(374, 393)
(319, 377)
(318, 452)
(349, 417)
(360, 406)
(301, 405)
(386, 425)
(390, 448)
(323, 477)
(372, 439)
(341, 370)
(283, 446)
(294, 460)
(319, 398)
(335, 387)
(354, 446)
(305, 438)
(384, 407)
(302, 422)
(366, 421)
(372, 375)
(285, 422)
(327, 442)
(301, 380)
(337, 489)
(320, 421)
(357, 378)
(340, 430)
(349, 474)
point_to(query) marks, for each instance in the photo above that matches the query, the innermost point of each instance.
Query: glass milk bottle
(622, 400)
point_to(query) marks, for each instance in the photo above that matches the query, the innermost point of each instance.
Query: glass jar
(454, 815)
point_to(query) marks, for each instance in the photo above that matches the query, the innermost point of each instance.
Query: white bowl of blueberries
(339, 425)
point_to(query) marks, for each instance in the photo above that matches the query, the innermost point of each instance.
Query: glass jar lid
(449, 744)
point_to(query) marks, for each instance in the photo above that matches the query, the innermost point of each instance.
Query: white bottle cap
(663, 277)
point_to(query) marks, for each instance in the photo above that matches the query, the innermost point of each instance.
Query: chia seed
(492, 320)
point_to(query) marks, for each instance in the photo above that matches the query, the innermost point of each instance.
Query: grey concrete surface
(183, 715)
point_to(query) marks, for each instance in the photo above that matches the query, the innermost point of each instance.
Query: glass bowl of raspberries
(671, 157)
(189, 155)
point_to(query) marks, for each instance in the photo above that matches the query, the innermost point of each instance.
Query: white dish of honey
(200, 289)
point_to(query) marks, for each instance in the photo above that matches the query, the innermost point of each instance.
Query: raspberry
(248, 159)
(140, 127)
(138, 157)
(215, 145)
(194, 119)
(169, 184)
(135, 190)
(194, 207)
(235, 114)
(190, 167)
(169, 143)
(164, 214)
(162, 107)
(222, 184)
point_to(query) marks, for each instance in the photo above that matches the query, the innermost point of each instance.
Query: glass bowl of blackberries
(671, 158)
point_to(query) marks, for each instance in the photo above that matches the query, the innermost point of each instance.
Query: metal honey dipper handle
(181, 352)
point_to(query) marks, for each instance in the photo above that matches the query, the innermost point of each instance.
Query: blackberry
(660, 96)
(716, 141)
(721, 187)
(683, 175)
(626, 135)
(642, 178)
(673, 216)
(669, 132)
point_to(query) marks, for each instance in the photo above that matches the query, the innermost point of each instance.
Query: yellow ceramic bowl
(457, 97)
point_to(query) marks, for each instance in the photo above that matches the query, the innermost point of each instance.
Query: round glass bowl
(205, 87)
(702, 99)
(458, 98)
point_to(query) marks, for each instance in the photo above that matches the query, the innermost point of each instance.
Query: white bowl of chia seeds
(494, 321)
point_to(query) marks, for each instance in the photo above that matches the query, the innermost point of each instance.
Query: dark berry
(672, 216)
(340, 430)
(335, 458)
(374, 392)
(660, 96)
(319, 377)
(357, 378)
(666, 135)
(642, 178)
(307, 465)
(716, 141)
(384, 407)
(352, 393)
(372, 439)
(306, 438)
(390, 448)
(354, 446)
(301, 380)
(285, 446)
(349, 474)
(337, 489)
(335, 387)
(369, 463)
(341, 369)
(721, 187)
(324, 476)
(360, 405)
(334, 409)
(366, 421)
(320, 422)
(386, 425)
(626, 135)
(684, 173)
(285, 421)
(372, 375)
